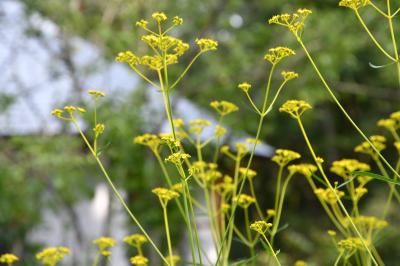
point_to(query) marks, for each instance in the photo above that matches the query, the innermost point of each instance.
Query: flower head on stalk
(295, 108)
(51, 256)
(354, 4)
(165, 195)
(275, 55)
(306, 170)
(282, 157)
(8, 258)
(295, 22)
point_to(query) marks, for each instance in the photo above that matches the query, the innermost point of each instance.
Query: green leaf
(378, 177)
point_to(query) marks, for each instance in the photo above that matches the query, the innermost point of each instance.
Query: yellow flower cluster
(139, 260)
(244, 200)
(275, 55)
(247, 173)
(392, 123)
(328, 195)
(135, 240)
(207, 44)
(96, 93)
(99, 129)
(294, 22)
(354, 4)
(210, 175)
(197, 125)
(70, 109)
(225, 187)
(150, 140)
(165, 195)
(104, 243)
(350, 244)
(51, 256)
(260, 226)
(128, 57)
(177, 158)
(224, 107)
(368, 223)
(346, 167)
(288, 75)
(8, 258)
(377, 140)
(304, 169)
(282, 157)
(244, 86)
(159, 16)
(295, 107)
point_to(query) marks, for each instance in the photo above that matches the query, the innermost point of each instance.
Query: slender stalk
(373, 37)
(165, 213)
(392, 35)
(272, 250)
(342, 108)
(115, 190)
(185, 71)
(331, 187)
(248, 232)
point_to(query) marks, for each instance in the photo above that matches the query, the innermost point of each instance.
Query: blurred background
(53, 51)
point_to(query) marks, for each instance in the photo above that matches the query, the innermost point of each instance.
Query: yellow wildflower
(295, 107)
(96, 93)
(135, 240)
(139, 260)
(260, 226)
(244, 86)
(104, 243)
(165, 195)
(377, 140)
(177, 21)
(275, 55)
(207, 44)
(294, 22)
(224, 107)
(8, 258)
(354, 4)
(345, 167)
(128, 57)
(304, 169)
(282, 157)
(244, 200)
(159, 16)
(288, 75)
(177, 158)
(51, 256)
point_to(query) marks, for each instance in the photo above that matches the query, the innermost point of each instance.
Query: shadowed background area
(53, 51)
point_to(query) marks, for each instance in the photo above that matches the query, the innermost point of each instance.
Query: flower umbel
(295, 107)
(51, 256)
(275, 55)
(295, 22)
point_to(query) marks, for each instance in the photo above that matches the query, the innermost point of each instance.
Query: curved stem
(342, 108)
(185, 71)
(115, 190)
(334, 191)
(165, 213)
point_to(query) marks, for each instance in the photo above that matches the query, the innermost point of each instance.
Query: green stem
(165, 212)
(248, 233)
(342, 108)
(331, 187)
(114, 189)
(392, 35)
(272, 250)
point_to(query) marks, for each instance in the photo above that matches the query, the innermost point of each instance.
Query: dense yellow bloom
(225, 187)
(354, 4)
(295, 22)
(224, 107)
(142, 23)
(159, 16)
(295, 107)
(177, 21)
(260, 226)
(244, 200)
(377, 140)
(197, 125)
(135, 240)
(329, 195)
(128, 57)
(150, 140)
(304, 169)
(139, 260)
(165, 195)
(57, 112)
(99, 129)
(368, 223)
(207, 44)
(219, 131)
(288, 75)
(8, 258)
(248, 172)
(96, 93)
(282, 157)
(177, 158)
(275, 55)
(104, 243)
(350, 244)
(346, 167)
(51, 256)
(244, 86)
